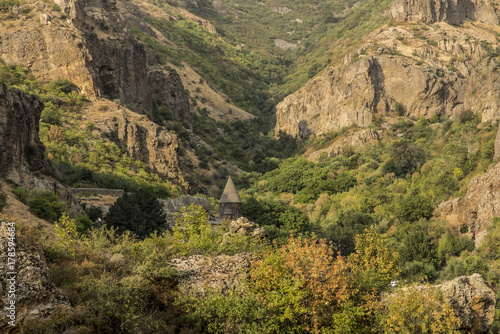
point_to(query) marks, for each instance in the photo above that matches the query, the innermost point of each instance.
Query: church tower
(230, 202)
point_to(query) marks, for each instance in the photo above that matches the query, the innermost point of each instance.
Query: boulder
(473, 302)
(244, 226)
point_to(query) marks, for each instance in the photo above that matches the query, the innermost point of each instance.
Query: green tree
(277, 217)
(344, 228)
(140, 213)
(67, 234)
(412, 208)
(406, 158)
(190, 221)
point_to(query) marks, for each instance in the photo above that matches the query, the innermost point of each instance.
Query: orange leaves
(303, 282)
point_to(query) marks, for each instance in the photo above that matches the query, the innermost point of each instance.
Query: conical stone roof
(230, 194)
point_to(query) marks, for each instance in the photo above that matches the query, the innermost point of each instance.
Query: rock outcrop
(453, 11)
(94, 49)
(199, 273)
(353, 94)
(473, 302)
(427, 70)
(21, 152)
(35, 294)
(21, 149)
(169, 92)
(144, 141)
(476, 209)
(49, 51)
(243, 226)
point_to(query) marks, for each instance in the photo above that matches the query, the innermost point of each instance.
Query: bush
(277, 217)
(6, 5)
(419, 310)
(344, 228)
(45, 204)
(21, 194)
(83, 223)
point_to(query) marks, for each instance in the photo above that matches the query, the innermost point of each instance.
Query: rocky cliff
(453, 11)
(90, 44)
(34, 294)
(476, 209)
(141, 139)
(21, 151)
(436, 69)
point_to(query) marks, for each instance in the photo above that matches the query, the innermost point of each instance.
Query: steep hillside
(413, 69)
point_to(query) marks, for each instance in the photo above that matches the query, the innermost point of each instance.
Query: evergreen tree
(139, 212)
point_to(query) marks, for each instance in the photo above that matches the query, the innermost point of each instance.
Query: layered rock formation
(94, 50)
(21, 152)
(453, 11)
(476, 209)
(473, 302)
(35, 294)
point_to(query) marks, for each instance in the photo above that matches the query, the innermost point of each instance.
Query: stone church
(230, 202)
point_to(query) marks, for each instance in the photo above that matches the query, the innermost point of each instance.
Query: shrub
(419, 310)
(399, 108)
(344, 228)
(66, 232)
(21, 194)
(45, 204)
(83, 223)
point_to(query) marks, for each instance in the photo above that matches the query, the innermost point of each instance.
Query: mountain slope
(418, 69)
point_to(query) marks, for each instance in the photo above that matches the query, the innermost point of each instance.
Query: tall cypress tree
(139, 212)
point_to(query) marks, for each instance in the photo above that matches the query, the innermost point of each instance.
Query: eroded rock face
(476, 209)
(169, 91)
(453, 11)
(20, 149)
(355, 93)
(144, 141)
(50, 52)
(35, 294)
(473, 302)
(95, 51)
(199, 273)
